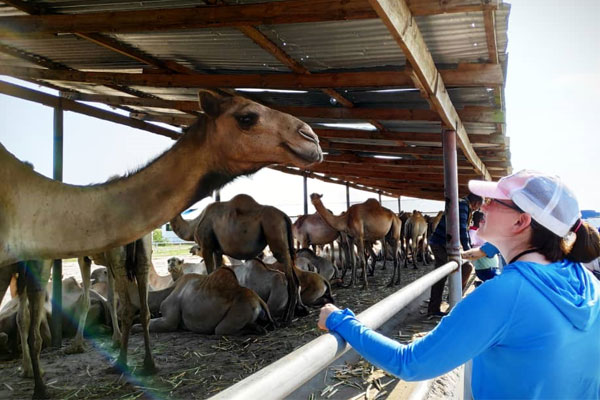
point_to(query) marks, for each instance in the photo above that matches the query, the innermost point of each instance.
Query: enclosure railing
(284, 376)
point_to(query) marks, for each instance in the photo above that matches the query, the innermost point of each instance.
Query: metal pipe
(347, 196)
(57, 174)
(452, 214)
(281, 378)
(305, 179)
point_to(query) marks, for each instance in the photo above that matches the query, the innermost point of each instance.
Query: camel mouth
(307, 156)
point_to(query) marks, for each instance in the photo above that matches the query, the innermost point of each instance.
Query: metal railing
(284, 376)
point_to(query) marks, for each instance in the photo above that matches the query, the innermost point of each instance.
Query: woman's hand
(325, 311)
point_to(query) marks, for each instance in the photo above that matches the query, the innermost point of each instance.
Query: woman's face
(498, 218)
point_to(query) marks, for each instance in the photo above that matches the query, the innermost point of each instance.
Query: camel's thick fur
(212, 304)
(363, 223)
(242, 228)
(44, 219)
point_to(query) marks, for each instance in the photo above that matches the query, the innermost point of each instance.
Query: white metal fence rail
(284, 376)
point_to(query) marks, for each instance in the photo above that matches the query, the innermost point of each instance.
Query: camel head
(195, 250)
(250, 136)
(175, 267)
(315, 198)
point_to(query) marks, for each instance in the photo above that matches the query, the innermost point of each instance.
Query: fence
(282, 377)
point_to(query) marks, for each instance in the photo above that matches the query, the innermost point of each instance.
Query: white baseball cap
(549, 202)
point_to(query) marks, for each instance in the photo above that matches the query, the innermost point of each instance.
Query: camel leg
(112, 307)
(170, 310)
(126, 313)
(85, 265)
(23, 323)
(361, 252)
(142, 283)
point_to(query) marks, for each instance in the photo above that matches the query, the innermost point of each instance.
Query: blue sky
(552, 89)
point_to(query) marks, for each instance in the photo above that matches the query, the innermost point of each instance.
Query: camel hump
(243, 202)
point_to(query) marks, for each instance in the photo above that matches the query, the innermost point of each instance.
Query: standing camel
(241, 228)
(45, 219)
(312, 230)
(415, 234)
(363, 223)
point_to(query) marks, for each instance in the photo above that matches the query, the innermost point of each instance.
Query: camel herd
(232, 290)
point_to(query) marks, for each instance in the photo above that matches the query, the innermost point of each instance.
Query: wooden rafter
(69, 105)
(399, 20)
(475, 75)
(272, 13)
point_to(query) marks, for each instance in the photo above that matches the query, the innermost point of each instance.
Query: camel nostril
(309, 134)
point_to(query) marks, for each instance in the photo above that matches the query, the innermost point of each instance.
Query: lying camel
(269, 284)
(322, 265)
(51, 220)
(242, 228)
(178, 267)
(212, 304)
(314, 289)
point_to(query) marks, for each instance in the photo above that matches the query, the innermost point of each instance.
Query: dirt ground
(193, 366)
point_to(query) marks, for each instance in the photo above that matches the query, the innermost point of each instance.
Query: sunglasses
(487, 201)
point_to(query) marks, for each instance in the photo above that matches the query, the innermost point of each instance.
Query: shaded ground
(192, 365)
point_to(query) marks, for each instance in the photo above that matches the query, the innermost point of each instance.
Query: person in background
(542, 339)
(483, 254)
(437, 242)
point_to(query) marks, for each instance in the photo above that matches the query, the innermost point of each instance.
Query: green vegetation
(169, 249)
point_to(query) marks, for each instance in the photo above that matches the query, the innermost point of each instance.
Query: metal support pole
(452, 217)
(380, 198)
(57, 174)
(305, 181)
(347, 196)
(399, 204)
(217, 196)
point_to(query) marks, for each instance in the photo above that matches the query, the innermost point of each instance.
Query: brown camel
(269, 284)
(415, 233)
(311, 230)
(314, 289)
(178, 267)
(363, 223)
(322, 266)
(212, 304)
(44, 219)
(242, 228)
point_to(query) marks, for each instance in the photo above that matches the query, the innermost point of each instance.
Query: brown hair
(585, 248)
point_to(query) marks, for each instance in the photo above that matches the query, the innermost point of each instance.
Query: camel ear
(210, 102)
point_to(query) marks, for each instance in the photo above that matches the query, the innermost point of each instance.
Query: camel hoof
(75, 349)
(26, 373)
(40, 393)
(301, 311)
(116, 344)
(148, 369)
(117, 369)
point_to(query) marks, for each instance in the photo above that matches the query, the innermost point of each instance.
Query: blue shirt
(438, 237)
(541, 341)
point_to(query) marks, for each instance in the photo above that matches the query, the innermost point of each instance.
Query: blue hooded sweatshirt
(542, 340)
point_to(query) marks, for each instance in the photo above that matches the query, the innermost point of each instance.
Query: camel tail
(130, 259)
(266, 314)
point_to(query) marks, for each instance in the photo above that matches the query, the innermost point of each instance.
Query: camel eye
(247, 120)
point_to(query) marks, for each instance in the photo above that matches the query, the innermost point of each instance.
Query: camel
(45, 219)
(322, 266)
(242, 228)
(415, 234)
(269, 284)
(178, 267)
(212, 304)
(314, 289)
(313, 230)
(363, 223)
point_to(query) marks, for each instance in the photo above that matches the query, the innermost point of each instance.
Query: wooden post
(305, 181)
(57, 174)
(452, 215)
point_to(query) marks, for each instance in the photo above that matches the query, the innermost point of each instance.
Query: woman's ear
(522, 223)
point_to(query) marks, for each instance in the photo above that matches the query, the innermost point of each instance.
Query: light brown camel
(312, 230)
(242, 228)
(212, 304)
(314, 289)
(363, 223)
(44, 219)
(178, 267)
(415, 233)
(269, 284)
(323, 266)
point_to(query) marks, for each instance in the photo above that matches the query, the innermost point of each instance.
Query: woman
(543, 338)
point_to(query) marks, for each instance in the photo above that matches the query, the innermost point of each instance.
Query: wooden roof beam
(271, 13)
(475, 75)
(69, 105)
(399, 20)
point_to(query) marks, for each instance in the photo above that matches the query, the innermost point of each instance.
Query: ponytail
(587, 245)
